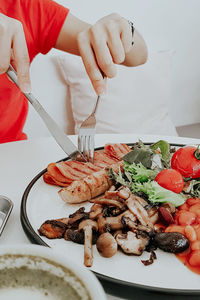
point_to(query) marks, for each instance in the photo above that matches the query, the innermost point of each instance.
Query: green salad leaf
(140, 154)
(158, 194)
(138, 173)
(165, 152)
(193, 188)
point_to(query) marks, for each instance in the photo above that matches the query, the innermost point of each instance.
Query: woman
(29, 27)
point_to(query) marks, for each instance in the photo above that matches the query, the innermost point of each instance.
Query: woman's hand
(13, 49)
(101, 46)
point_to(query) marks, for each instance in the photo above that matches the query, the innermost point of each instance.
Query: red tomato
(184, 161)
(171, 180)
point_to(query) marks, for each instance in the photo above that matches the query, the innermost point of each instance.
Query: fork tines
(86, 143)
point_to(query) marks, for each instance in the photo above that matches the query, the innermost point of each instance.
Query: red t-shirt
(42, 21)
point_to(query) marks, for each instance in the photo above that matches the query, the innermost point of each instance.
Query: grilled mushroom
(130, 244)
(106, 245)
(88, 226)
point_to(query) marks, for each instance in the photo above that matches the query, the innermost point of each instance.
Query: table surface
(21, 161)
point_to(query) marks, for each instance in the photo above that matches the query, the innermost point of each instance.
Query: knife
(61, 138)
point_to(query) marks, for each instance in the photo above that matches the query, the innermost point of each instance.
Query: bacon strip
(116, 151)
(64, 173)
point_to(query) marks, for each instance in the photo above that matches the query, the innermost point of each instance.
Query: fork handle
(95, 108)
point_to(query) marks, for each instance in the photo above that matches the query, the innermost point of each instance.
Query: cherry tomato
(185, 161)
(171, 180)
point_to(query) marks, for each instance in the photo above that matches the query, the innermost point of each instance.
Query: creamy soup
(37, 278)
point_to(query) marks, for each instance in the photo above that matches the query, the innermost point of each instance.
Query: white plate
(41, 202)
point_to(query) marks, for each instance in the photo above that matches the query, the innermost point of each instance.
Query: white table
(21, 161)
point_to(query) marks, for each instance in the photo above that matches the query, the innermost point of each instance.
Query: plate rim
(36, 239)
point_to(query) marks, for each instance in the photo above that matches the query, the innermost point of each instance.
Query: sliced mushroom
(95, 210)
(130, 244)
(131, 223)
(79, 215)
(109, 202)
(112, 223)
(52, 229)
(77, 236)
(153, 215)
(138, 210)
(124, 193)
(88, 226)
(106, 245)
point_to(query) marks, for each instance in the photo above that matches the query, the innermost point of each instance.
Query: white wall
(165, 24)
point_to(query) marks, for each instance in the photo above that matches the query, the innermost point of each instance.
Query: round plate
(41, 202)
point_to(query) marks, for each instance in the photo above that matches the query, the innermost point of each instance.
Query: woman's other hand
(13, 49)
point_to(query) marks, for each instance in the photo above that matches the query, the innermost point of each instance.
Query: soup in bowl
(38, 272)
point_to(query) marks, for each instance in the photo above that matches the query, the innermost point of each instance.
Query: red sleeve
(51, 17)
(42, 21)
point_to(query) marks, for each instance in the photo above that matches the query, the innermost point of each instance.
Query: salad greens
(140, 153)
(194, 187)
(156, 193)
(165, 152)
(139, 174)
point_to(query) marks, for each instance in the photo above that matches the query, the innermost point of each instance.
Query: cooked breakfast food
(139, 202)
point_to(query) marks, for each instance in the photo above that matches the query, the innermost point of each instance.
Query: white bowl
(34, 257)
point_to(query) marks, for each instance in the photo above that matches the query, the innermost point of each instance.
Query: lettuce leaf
(138, 173)
(157, 194)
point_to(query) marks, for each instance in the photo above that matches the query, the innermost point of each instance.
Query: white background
(164, 24)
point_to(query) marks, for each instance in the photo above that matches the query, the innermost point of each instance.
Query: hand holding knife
(61, 138)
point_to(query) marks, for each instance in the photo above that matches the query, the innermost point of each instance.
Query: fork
(86, 135)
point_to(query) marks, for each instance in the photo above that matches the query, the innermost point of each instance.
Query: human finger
(21, 58)
(126, 35)
(115, 45)
(90, 63)
(102, 53)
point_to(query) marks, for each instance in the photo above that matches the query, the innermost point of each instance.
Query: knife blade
(61, 138)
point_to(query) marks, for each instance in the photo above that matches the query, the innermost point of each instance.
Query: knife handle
(61, 138)
(36, 104)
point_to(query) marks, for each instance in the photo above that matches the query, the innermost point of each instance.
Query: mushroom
(88, 226)
(109, 202)
(130, 244)
(174, 242)
(153, 215)
(106, 245)
(95, 210)
(77, 236)
(124, 193)
(77, 217)
(113, 223)
(126, 221)
(138, 210)
(52, 229)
